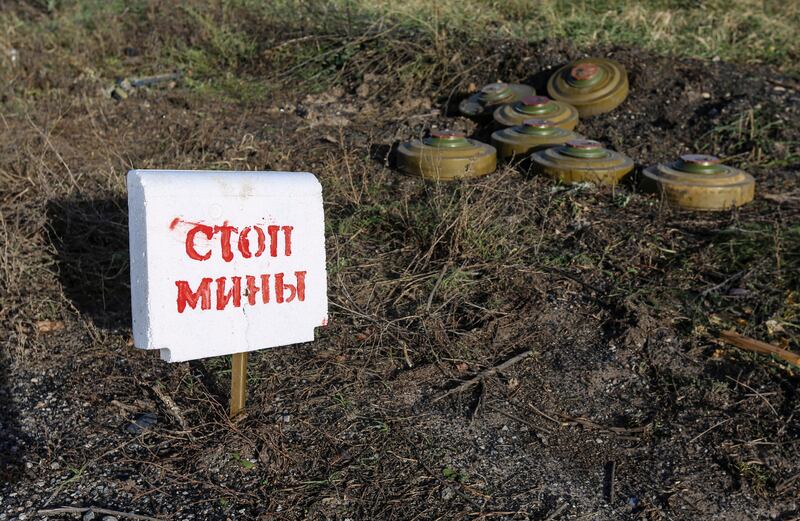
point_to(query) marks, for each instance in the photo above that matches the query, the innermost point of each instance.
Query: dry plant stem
(483, 374)
(517, 418)
(557, 512)
(80, 510)
(172, 407)
(757, 346)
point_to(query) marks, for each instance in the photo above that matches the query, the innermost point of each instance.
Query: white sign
(225, 262)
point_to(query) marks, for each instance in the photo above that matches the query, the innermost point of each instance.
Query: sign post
(225, 263)
(238, 382)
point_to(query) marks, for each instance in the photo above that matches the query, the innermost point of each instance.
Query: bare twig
(709, 430)
(80, 510)
(125, 407)
(757, 346)
(436, 286)
(722, 284)
(592, 425)
(520, 420)
(785, 84)
(172, 408)
(783, 198)
(557, 512)
(756, 393)
(485, 373)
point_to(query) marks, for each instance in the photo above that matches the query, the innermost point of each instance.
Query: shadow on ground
(10, 434)
(91, 241)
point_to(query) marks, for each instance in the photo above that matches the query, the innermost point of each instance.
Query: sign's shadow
(90, 238)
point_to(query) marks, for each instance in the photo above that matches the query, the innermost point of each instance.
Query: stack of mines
(542, 129)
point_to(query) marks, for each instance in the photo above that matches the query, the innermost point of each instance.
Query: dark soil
(628, 408)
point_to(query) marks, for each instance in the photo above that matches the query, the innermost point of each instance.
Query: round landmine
(484, 102)
(530, 136)
(561, 114)
(700, 182)
(582, 161)
(592, 85)
(446, 155)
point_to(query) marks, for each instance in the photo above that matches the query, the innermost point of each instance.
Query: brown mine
(582, 161)
(560, 114)
(445, 156)
(592, 85)
(532, 135)
(699, 182)
(483, 103)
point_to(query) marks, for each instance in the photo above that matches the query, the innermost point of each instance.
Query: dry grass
(619, 298)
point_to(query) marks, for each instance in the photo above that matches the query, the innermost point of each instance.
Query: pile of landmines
(537, 132)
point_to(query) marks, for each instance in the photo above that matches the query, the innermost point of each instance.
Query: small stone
(109, 518)
(774, 327)
(706, 95)
(55, 465)
(448, 494)
(142, 423)
(89, 515)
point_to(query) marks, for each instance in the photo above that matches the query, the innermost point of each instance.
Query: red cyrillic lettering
(301, 285)
(208, 231)
(225, 240)
(252, 289)
(287, 238)
(265, 288)
(235, 293)
(272, 230)
(187, 296)
(262, 240)
(244, 243)
(295, 290)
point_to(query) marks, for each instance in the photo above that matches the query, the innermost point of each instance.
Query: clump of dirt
(627, 407)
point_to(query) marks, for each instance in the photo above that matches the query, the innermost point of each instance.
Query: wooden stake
(757, 346)
(238, 382)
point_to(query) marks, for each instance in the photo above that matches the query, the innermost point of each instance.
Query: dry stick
(80, 510)
(724, 283)
(786, 484)
(557, 512)
(436, 286)
(485, 373)
(520, 420)
(757, 346)
(791, 86)
(589, 423)
(783, 198)
(756, 393)
(723, 422)
(172, 408)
